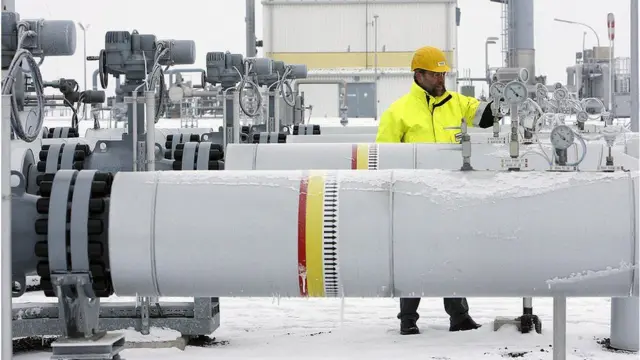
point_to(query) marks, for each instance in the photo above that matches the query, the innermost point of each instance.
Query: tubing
(381, 233)
(394, 156)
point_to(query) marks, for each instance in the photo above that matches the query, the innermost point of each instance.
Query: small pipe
(6, 274)
(150, 112)
(182, 71)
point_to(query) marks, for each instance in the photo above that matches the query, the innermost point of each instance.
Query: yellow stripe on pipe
(362, 157)
(314, 235)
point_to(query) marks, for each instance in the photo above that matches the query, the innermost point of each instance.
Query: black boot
(466, 324)
(409, 327)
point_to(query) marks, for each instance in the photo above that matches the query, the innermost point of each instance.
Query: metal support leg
(559, 328)
(624, 323)
(144, 314)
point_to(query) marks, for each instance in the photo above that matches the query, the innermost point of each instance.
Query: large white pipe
(372, 233)
(397, 156)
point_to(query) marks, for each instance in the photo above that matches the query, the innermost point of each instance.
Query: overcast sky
(218, 25)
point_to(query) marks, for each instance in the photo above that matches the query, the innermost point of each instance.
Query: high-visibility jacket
(419, 117)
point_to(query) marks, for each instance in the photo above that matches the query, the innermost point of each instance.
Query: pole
(6, 275)
(583, 24)
(612, 34)
(250, 19)
(486, 61)
(375, 61)
(635, 72)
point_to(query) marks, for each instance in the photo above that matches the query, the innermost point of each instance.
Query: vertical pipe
(522, 50)
(375, 62)
(150, 112)
(6, 275)
(250, 19)
(486, 62)
(559, 328)
(366, 34)
(624, 323)
(9, 5)
(635, 71)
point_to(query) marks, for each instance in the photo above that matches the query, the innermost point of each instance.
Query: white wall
(324, 97)
(335, 26)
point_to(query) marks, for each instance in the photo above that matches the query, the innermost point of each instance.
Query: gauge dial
(582, 116)
(557, 85)
(560, 94)
(562, 137)
(515, 92)
(496, 90)
(542, 91)
(523, 74)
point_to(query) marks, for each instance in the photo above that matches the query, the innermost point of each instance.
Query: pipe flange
(62, 156)
(198, 156)
(96, 207)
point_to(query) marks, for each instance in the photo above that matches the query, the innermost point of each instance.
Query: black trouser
(457, 308)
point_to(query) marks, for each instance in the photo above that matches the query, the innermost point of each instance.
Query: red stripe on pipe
(302, 241)
(354, 157)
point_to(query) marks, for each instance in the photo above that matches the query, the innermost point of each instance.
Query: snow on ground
(294, 328)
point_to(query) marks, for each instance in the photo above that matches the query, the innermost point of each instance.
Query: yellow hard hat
(431, 59)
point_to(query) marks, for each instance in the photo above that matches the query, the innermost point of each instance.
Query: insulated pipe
(372, 233)
(342, 130)
(396, 156)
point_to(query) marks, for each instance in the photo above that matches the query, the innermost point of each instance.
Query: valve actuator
(133, 54)
(43, 38)
(225, 69)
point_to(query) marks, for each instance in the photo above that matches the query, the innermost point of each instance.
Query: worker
(423, 116)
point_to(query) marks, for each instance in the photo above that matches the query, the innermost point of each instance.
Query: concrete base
(625, 323)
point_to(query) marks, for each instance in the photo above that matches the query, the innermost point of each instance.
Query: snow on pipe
(395, 156)
(372, 233)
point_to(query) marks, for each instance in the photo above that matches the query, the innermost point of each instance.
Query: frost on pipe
(396, 156)
(371, 233)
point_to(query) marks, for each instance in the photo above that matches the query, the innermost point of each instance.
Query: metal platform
(200, 317)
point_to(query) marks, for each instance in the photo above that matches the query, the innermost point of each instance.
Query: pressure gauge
(560, 94)
(496, 90)
(542, 91)
(523, 75)
(582, 116)
(562, 137)
(515, 92)
(557, 85)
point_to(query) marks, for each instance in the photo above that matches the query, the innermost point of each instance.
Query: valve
(255, 66)
(610, 134)
(225, 69)
(134, 55)
(465, 140)
(21, 42)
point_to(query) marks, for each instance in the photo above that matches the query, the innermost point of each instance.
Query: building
(354, 40)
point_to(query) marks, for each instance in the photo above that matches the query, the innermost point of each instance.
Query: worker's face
(432, 82)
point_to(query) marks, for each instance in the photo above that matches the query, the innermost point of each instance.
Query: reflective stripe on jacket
(419, 117)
